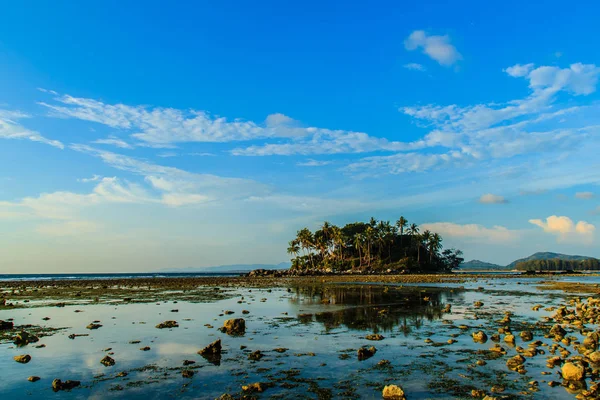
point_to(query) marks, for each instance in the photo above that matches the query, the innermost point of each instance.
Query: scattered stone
(366, 352)
(526, 336)
(374, 336)
(384, 363)
(93, 326)
(255, 355)
(229, 312)
(33, 378)
(478, 304)
(245, 312)
(255, 387)
(573, 372)
(393, 392)
(234, 327)
(510, 339)
(6, 325)
(122, 374)
(72, 336)
(212, 352)
(477, 393)
(480, 337)
(24, 338)
(145, 348)
(515, 362)
(23, 359)
(186, 373)
(107, 361)
(188, 362)
(167, 325)
(58, 385)
(280, 350)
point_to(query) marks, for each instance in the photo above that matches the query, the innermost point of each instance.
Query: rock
(33, 378)
(6, 325)
(122, 374)
(478, 304)
(374, 336)
(594, 357)
(515, 361)
(107, 361)
(481, 362)
(366, 352)
(477, 393)
(186, 373)
(212, 352)
(245, 312)
(93, 326)
(57, 385)
(23, 359)
(384, 363)
(255, 355)
(447, 308)
(24, 338)
(558, 331)
(167, 324)
(188, 362)
(480, 337)
(255, 387)
(225, 396)
(393, 392)
(229, 312)
(526, 336)
(510, 339)
(573, 372)
(145, 348)
(234, 327)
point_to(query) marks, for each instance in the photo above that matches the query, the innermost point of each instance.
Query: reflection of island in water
(372, 307)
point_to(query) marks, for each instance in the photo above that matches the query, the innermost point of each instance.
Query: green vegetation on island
(548, 256)
(558, 264)
(373, 247)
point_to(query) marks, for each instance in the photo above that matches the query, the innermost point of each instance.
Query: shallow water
(322, 326)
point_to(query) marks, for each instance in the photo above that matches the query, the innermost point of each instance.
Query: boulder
(374, 336)
(255, 355)
(393, 392)
(167, 324)
(573, 372)
(33, 378)
(107, 361)
(24, 338)
(57, 385)
(234, 327)
(23, 359)
(6, 325)
(187, 373)
(212, 352)
(366, 352)
(255, 387)
(93, 326)
(594, 357)
(526, 336)
(515, 361)
(479, 337)
(558, 331)
(510, 339)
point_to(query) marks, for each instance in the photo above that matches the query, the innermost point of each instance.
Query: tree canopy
(557, 264)
(374, 246)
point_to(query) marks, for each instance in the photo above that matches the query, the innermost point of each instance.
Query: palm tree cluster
(372, 246)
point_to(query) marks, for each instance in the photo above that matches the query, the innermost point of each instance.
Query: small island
(371, 247)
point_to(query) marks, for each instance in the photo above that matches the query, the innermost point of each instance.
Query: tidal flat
(312, 337)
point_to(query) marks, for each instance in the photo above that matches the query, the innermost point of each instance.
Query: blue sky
(148, 135)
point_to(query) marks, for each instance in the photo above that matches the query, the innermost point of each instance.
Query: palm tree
(294, 247)
(305, 237)
(435, 245)
(401, 224)
(413, 231)
(338, 240)
(369, 236)
(358, 243)
(423, 240)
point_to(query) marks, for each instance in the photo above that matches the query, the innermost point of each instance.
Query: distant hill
(477, 264)
(231, 268)
(548, 256)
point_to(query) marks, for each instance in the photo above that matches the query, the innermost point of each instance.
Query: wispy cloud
(437, 48)
(10, 129)
(584, 195)
(114, 141)
(473, 232)
(415, 67)
(492, 199)
(313, 163)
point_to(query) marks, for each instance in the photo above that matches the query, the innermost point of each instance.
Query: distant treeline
(556, 264)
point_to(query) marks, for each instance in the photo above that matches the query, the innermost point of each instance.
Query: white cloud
(438, 48)
(113, 141)
(68, 228)
(566, 229)
(313, 163)
(472, 232)
(94, 178)
(10, 129)
(584, 195)
(518, 70)
(415, 67)
(492, 199)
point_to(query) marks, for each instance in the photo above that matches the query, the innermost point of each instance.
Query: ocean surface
(58, 277)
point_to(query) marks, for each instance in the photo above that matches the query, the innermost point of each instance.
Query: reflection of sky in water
(403, 315)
